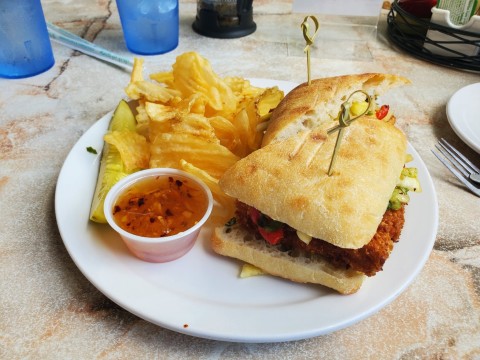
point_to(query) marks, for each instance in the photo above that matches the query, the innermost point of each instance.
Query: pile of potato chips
(195, 121)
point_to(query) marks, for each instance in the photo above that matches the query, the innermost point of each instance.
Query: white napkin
(338, 7)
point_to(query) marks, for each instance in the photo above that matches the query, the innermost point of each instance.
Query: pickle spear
(112, 168)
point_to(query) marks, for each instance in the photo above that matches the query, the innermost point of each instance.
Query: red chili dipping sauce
(160, 206)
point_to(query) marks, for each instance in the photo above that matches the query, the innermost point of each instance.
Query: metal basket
(413, 35)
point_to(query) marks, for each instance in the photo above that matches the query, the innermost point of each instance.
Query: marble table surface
(49, 310)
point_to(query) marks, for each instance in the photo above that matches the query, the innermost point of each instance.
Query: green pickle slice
(112, 168)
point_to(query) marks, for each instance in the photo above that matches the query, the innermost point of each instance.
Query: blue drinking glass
(149, 26)
(25, 48)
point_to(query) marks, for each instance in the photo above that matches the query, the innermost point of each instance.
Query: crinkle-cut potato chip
(242, 88)
(244, 131)
(165, 119)
(195, 103)
(150, 91)
(193, 74)
(211, 182)
(226, 132)
(161, 116)
(133, 148)
(137, 71)
(165, 77)
(142, 118)
(196, 125)
(268, 100)
(190, 118)
(169, 149)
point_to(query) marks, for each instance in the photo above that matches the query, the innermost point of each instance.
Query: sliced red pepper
(272, 237)
(382, 112)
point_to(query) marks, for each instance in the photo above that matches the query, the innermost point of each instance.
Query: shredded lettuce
(408, 181)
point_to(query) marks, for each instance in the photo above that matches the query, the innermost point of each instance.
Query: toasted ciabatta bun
(288, 181)
(310, 106)
(238, 243)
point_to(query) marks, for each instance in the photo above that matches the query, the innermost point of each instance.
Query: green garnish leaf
(269, 224)
(91, 150)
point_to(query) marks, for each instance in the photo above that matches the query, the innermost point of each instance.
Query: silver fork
(459, 165)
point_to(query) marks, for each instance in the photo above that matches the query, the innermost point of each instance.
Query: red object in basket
(418, 8)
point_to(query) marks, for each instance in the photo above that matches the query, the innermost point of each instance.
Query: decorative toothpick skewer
(344, 117)
(309, 39)
(344, 121)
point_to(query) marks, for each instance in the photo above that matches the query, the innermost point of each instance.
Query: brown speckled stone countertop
(49, 310)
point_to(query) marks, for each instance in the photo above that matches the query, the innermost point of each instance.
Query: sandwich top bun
(288, 181)
(309, 106)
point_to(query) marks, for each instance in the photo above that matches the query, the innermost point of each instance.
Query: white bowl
(156, 249)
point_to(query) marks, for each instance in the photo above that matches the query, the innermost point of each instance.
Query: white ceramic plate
(463, 114)
(201, 294)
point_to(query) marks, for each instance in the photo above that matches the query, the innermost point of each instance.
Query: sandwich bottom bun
(236, 242)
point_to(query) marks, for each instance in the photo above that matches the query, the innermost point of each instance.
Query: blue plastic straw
(75, 42)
